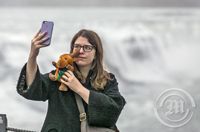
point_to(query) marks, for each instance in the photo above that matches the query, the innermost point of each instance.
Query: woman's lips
(80, 58)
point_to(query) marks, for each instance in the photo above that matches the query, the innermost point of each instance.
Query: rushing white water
(148, 50)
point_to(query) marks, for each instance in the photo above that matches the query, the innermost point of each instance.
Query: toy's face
(64, 60)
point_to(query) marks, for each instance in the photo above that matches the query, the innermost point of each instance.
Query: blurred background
(149, 45)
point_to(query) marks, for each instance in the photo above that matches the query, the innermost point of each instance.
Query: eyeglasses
(86, 48)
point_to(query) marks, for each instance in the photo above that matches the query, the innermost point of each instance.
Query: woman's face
(86, 53)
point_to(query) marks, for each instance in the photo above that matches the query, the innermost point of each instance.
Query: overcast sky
(110, 3)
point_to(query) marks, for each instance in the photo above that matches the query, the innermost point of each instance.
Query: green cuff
(60, 74)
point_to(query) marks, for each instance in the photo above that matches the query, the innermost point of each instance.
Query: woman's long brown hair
(99, 75)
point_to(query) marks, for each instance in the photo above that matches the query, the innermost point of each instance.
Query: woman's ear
(54, 63)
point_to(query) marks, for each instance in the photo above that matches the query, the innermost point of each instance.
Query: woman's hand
(31, 66)
(71, 81)
(36, 43)
(74, 84)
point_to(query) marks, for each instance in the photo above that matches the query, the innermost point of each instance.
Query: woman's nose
(81, 50)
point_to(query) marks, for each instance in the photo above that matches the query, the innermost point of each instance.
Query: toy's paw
(52, 77)
(69, 67)
(63, 87)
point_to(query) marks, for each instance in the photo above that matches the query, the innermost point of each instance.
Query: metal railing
(4, 128)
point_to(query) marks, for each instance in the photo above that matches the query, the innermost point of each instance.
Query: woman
(98, 88)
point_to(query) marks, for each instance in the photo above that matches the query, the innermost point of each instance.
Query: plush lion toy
(64, 63)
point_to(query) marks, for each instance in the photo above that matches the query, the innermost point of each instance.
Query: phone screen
(47, 26)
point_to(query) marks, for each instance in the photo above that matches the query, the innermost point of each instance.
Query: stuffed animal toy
(64, 63)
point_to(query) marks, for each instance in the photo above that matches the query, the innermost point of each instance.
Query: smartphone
(47, 26)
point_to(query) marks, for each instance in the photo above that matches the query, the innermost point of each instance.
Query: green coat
(103, 109)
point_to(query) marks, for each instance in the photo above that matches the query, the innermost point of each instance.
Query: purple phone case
(47, 26)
